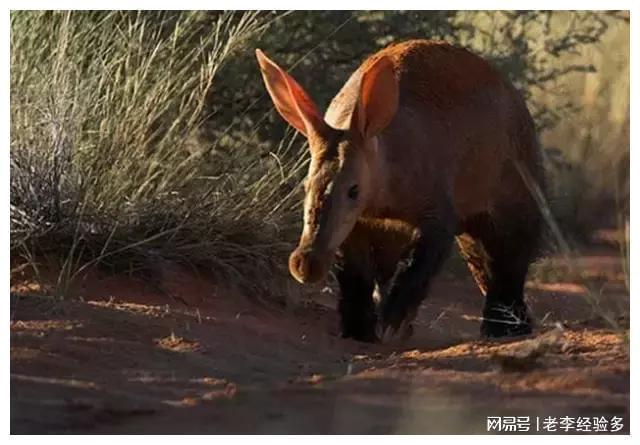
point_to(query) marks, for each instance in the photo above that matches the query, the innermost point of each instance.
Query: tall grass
(107, 160)
(139, 136)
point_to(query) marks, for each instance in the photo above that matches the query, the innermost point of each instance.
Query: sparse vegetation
(139, 136)
(104, 167)
(144, 143)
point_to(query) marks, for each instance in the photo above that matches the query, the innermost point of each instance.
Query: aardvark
(426, 143)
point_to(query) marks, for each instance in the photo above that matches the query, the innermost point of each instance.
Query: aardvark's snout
(308, 266)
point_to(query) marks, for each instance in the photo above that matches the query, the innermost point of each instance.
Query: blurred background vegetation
(146, 136)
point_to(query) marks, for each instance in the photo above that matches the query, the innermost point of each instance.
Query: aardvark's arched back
(421, 146)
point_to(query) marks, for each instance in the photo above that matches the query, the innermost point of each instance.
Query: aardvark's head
(339, 183)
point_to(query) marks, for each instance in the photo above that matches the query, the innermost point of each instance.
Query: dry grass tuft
(107, 162)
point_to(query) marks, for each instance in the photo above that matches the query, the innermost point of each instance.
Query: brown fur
(463, 107)
(431, 134)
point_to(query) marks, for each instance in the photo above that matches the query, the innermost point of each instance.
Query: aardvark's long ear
(291, 101)
(378, 101)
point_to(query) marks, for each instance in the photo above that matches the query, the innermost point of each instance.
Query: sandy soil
(189, 356)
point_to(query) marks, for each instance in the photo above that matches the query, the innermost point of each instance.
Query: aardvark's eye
(353, 192)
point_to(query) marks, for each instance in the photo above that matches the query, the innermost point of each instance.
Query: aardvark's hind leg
(498, 252)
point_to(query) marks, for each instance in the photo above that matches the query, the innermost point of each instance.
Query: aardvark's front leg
(410, 283)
